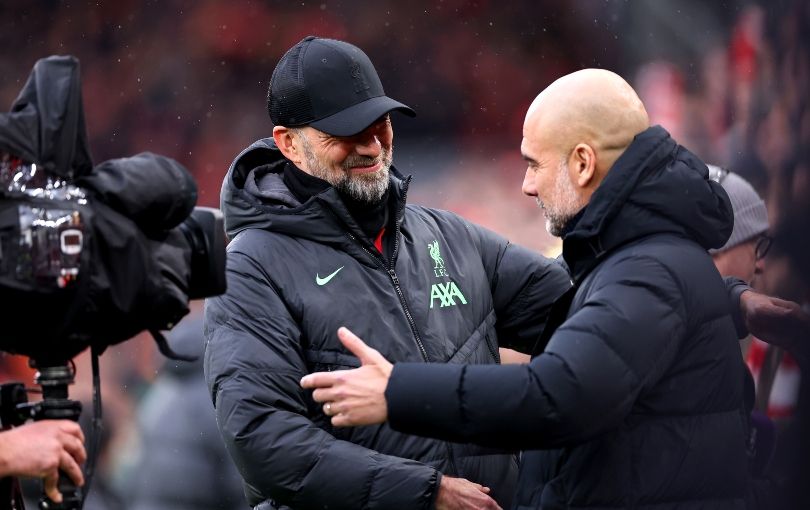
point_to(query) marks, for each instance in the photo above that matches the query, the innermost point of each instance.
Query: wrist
(741, 292)
(5, 454)
(437, 487)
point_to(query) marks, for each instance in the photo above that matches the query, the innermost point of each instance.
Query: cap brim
(356, 118)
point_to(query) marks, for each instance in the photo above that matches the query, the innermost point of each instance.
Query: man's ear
(582, 165)
(287, 144)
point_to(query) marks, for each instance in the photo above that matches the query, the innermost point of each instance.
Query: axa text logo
(446, 294)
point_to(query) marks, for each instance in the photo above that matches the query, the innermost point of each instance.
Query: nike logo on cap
(325, 280)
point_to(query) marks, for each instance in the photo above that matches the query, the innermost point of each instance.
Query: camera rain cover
(46, 121)
(88, 256)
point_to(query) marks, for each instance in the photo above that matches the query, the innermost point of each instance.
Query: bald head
(574, 131)
(591, 106)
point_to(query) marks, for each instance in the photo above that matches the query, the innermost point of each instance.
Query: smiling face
(357, 165)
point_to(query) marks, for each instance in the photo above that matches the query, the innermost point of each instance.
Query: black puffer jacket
(296, 272)
(637, 397)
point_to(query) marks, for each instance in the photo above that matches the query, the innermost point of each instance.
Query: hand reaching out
(778, 322)
(357, 397)
(353, 397)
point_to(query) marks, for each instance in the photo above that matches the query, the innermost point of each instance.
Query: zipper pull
(393, 276)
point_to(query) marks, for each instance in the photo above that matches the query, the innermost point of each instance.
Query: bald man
(634, 395)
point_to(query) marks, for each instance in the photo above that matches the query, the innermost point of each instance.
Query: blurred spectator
(787, 270)
(776, 373)
(182, 462)
(742, 255)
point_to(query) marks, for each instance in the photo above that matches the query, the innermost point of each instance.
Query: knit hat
(750, 214)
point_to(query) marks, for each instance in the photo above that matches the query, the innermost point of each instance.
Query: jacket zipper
(411, 322)
(398, 288)
(393, 274)
(378, 258)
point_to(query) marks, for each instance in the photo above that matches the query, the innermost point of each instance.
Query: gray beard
(366, 188)
(567, 203)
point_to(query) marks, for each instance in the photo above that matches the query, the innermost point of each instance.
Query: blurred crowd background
(188, 79)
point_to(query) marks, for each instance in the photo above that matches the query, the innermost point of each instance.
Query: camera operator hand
(40, 450)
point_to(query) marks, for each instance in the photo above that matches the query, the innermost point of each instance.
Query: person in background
(182, 462)
(743, 257)
(743, 254)
(787, 403)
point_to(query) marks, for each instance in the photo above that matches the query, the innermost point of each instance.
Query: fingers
(50, 487)
(342, 420)
(356, 346)
(337, 418)
(72, 428)
(327, 394)
(75, 449)
(71, 468)
(364, 353)
(319, 380)
(783, 303)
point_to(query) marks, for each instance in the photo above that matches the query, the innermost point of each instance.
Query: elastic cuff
(423, 397)
(735, 288)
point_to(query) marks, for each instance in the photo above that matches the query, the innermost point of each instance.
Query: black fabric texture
(330, 85)
(156, 192)
(46, 122)
(303, 185)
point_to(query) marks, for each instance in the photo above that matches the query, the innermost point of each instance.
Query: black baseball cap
(330, 85)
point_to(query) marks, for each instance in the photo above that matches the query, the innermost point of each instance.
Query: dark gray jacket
(451, 292)
(635, 399)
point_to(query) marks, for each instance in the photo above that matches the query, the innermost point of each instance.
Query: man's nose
(368, 145)
(529, 187)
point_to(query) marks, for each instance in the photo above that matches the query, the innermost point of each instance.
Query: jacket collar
(254, 195)
(656, 186)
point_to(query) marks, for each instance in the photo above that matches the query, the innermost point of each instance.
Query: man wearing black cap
(321, 237)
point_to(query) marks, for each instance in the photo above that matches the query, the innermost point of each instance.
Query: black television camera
(89, 255)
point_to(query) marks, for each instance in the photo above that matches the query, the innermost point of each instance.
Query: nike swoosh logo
(325, 280)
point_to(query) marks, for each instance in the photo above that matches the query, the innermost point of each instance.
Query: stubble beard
(566, 203)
